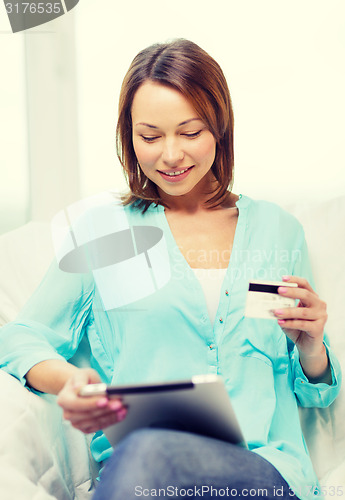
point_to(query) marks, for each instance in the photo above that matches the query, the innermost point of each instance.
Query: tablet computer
(200, 405)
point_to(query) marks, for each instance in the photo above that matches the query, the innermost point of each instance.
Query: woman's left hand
(303, 324)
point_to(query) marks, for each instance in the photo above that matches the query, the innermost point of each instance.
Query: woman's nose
(172, 154)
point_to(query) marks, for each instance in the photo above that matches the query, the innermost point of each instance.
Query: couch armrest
(41, 455)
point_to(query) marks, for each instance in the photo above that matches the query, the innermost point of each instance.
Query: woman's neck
(194, 202)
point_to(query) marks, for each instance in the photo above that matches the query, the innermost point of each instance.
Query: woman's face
(173, 146)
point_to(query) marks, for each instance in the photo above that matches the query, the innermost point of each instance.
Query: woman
(175, 142)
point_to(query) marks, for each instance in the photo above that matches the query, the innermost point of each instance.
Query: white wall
(14, 172)
(284, 61)
(284, 65)
(39, 165)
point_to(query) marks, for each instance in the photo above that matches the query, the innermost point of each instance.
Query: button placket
(212, 356)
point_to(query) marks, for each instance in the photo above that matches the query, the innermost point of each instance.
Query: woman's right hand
(88, 414)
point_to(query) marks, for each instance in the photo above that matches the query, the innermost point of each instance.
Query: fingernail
(281, 321)
(101, 403)
(282, 289)
(121, 414)
(115, 405)
(278, 312)
(286, 277)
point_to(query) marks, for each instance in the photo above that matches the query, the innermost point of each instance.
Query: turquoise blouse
(167, 334)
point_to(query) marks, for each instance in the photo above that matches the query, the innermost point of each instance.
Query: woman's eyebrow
(188, 121)
(179, 125)
(146, 125)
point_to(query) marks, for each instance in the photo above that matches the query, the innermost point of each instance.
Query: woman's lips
(178, 177)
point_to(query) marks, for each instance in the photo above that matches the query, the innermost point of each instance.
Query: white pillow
(25, 255)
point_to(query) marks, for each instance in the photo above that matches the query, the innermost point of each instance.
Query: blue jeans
(159, 463)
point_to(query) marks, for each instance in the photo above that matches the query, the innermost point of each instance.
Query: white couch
(44, 458)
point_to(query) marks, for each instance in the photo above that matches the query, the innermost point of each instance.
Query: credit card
(263, 298)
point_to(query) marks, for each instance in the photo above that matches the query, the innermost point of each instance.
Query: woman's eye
(149, 138)
(192, 135)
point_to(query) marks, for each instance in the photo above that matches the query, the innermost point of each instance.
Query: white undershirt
(211, 281)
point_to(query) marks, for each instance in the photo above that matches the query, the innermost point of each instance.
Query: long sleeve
(51, 324)
(316, 395)
(309, 394)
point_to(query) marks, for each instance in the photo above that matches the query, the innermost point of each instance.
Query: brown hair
(186, 67)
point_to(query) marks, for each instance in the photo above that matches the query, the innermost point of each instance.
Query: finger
(76, 418)
(305, 296)
(81, 418)
(69, 400)
(301, 282)
(105, 419)
(298, 324)
(304, 313)
(90, 425)
(92, 414)
(112, 408)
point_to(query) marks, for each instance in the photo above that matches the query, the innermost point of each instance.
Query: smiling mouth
(177, 172)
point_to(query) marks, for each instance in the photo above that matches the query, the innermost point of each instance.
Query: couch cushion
(25, 254)
(42, 456)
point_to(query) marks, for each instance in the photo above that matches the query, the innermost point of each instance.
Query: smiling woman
(191, 107)
(174, 139)
(174, 148)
